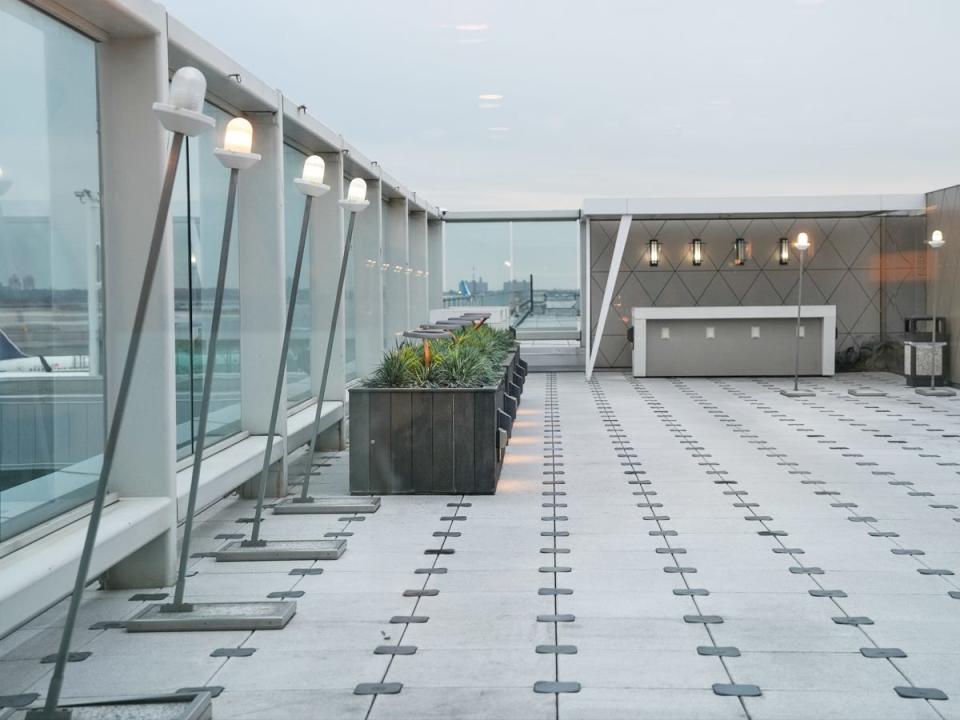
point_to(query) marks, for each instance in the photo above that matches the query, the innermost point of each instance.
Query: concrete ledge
(299, 424)
(40, 574)
(224, 471)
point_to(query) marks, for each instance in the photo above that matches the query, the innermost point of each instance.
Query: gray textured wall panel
(870, 268)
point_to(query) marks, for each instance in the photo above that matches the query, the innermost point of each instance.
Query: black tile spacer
(233, 652)
(736, 690)
(920, 693)
(71, 657)
(872, 652)
(17, 701)
(548, 686)
(432, 592)
(284, 594)
(395, 650)
(148, 597)
(306, 571)
(718, 651)
(408, 619)
(391, 688)
(852, 620)
(213, 690)
(556, 649)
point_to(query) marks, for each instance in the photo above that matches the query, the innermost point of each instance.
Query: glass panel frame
(52, 422)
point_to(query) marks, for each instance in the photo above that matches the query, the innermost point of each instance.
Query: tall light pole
(235, 155)
(935, 242)
(355, 202)
(183, 116)
(310, 183)
(802, 245)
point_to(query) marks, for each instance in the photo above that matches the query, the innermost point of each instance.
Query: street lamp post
(802, 245)
(936, 242)
(183, 116)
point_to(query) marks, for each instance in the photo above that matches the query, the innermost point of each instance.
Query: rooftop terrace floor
(649, 489)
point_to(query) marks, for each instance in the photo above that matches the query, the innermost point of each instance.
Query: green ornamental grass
(472, 358)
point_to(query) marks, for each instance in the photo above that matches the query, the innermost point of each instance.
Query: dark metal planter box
(448, 441)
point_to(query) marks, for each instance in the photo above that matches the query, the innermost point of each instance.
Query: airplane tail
(9, 350)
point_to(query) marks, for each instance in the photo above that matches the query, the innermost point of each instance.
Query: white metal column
(618, 248)
(133, 74)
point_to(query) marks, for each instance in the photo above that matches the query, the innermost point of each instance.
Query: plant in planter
(439, 426)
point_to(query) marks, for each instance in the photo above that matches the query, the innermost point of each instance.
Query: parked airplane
(13, 359)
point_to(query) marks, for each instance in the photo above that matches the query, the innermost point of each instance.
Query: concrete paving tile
(835, 705)
(18, 676)
(849, 672)
(291, 705)
(508, 667)
(319, 669)
(464, 703)
(593, 703)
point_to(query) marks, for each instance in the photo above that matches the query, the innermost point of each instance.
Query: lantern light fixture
(936, 239)
(356, 199)
(740, 251)
(183, 111)
(654, 252)
(697, 251)
(784, 253)
(803, 241)
(310, 181)
(237, 146)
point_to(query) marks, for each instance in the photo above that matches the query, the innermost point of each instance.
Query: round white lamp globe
(310, 181)
(187, 89)
(356, 199)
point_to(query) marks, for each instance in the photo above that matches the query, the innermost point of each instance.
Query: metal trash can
(921, 356)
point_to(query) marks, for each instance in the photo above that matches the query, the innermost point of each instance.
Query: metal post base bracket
(259, 615)
(327, 506)
(936, 392)
(237, 551)
(797, 393)
(867, 392)
(182, 706)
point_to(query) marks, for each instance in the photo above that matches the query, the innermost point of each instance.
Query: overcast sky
(617, 97)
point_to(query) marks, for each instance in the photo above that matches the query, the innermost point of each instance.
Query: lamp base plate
(866, 392)
(273, 550)
(256, 615)
(181, 706)
(328, 506)
(797, 393)
(936, 392)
